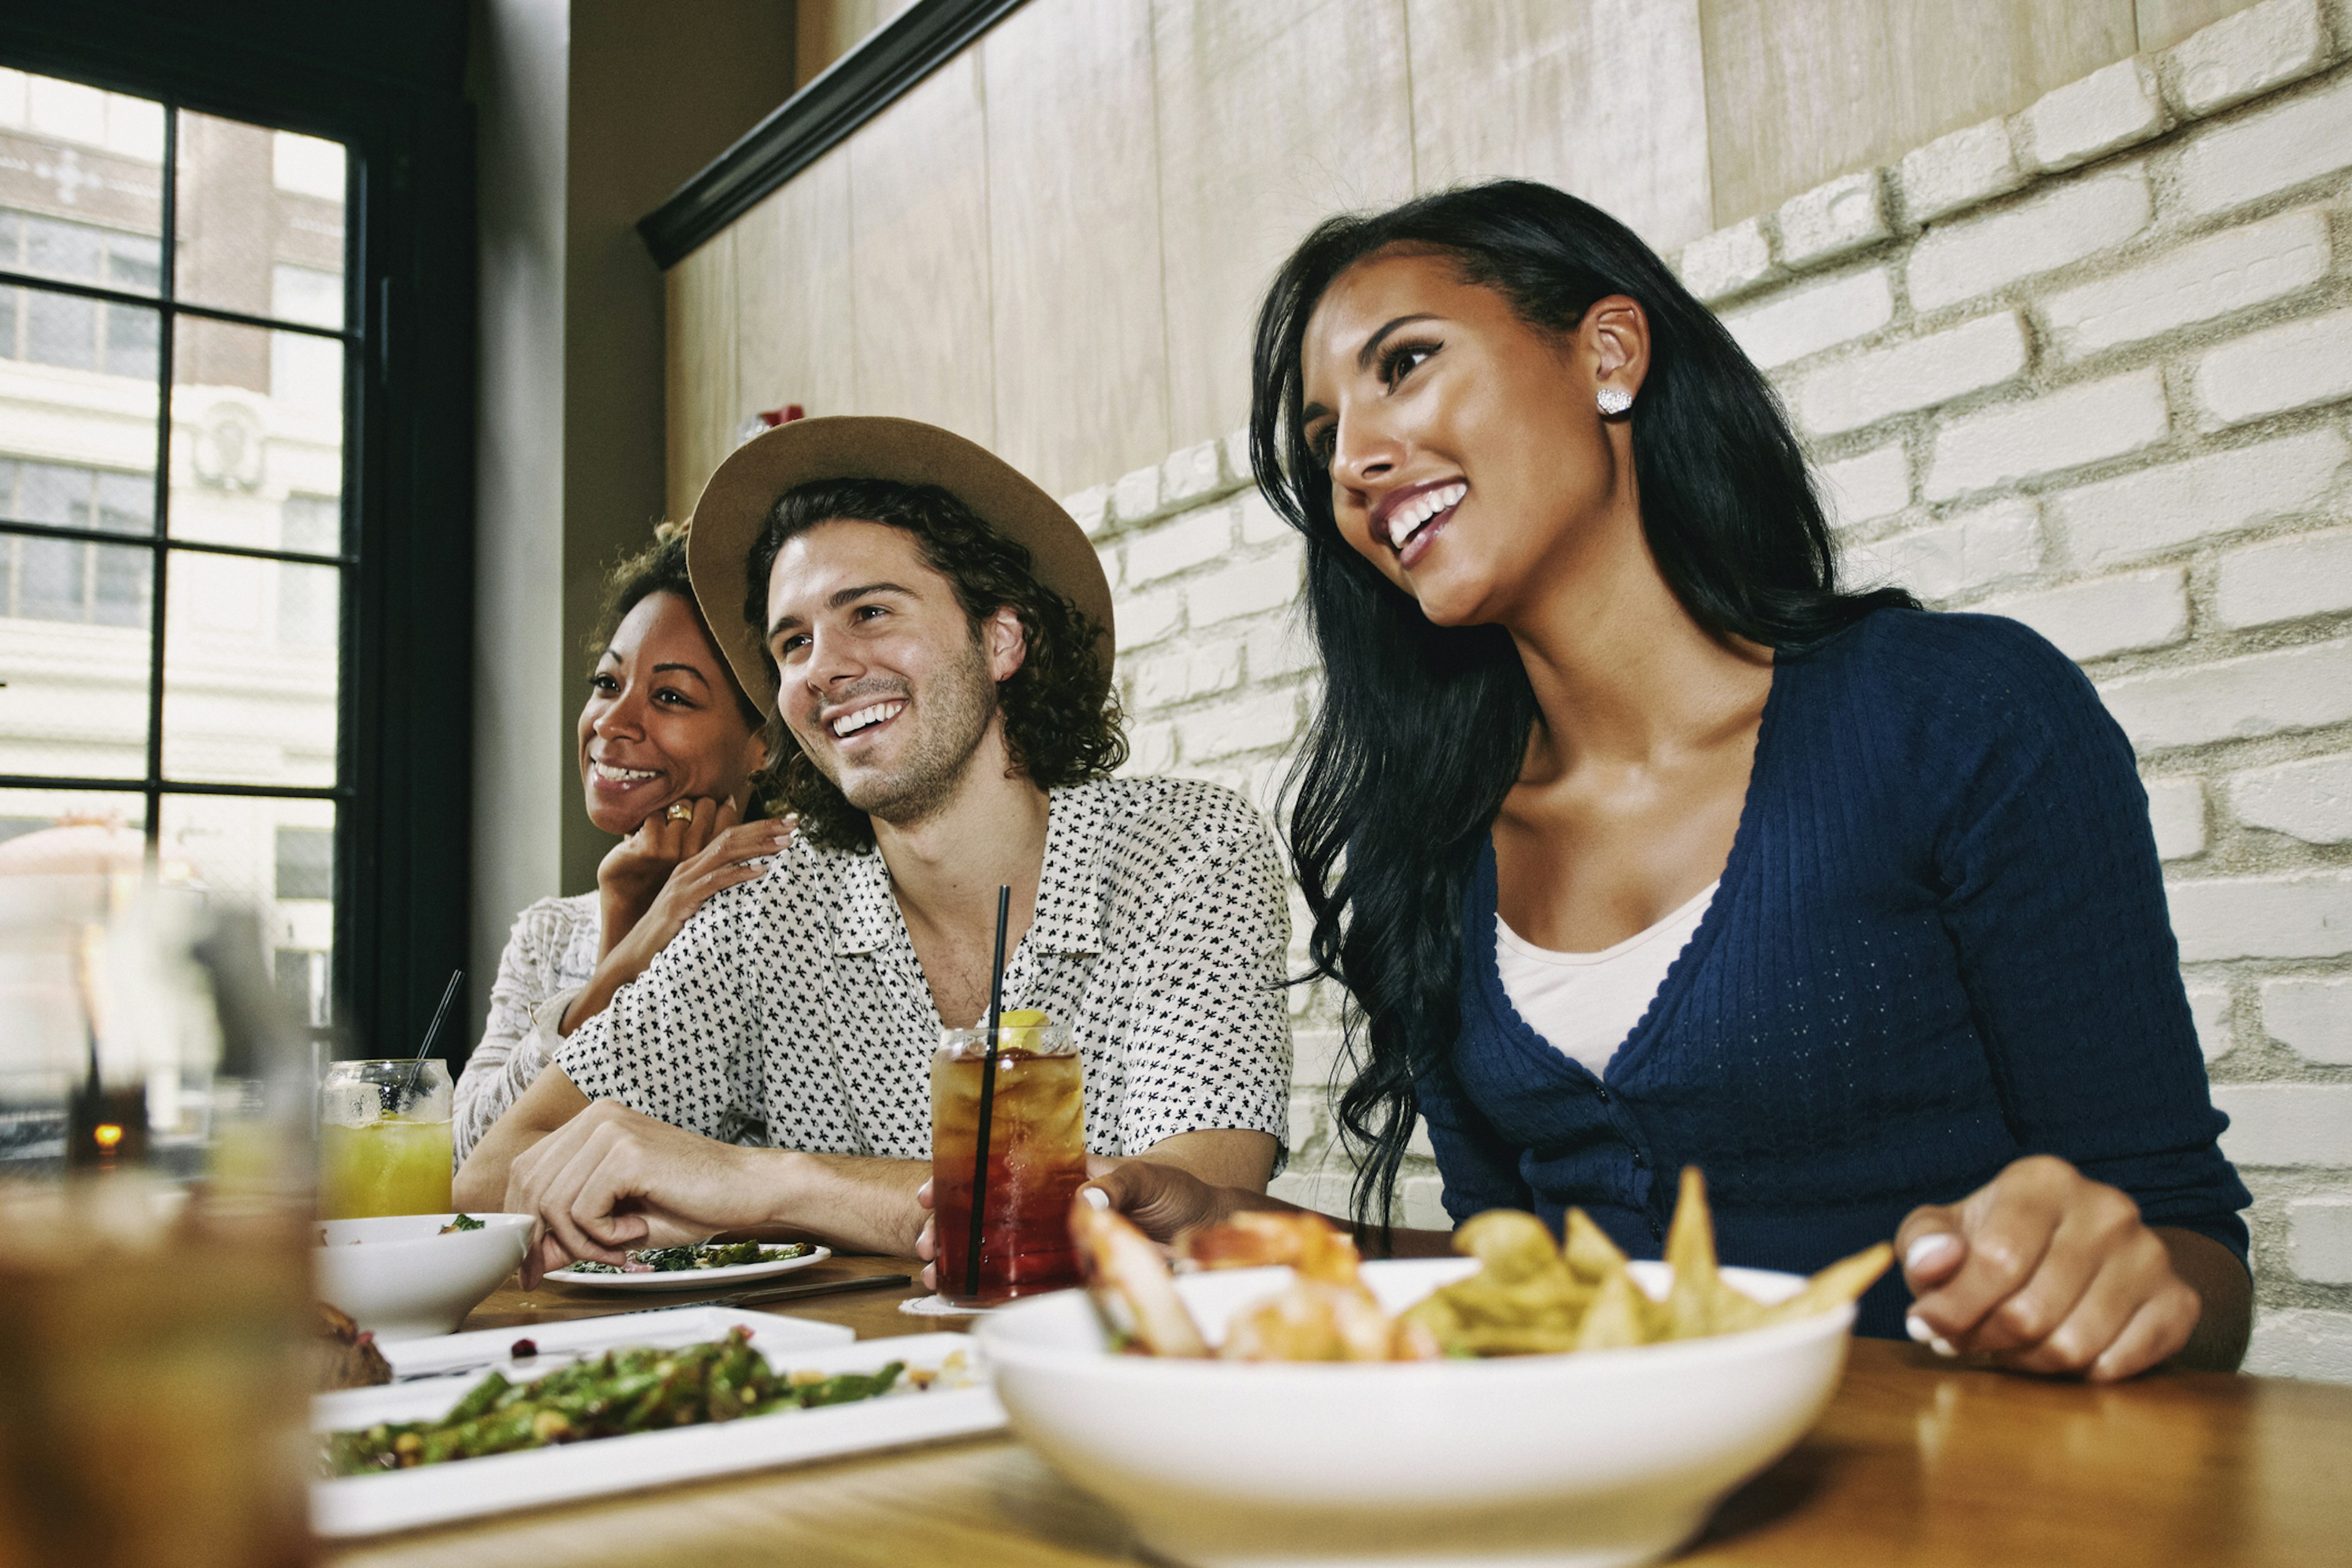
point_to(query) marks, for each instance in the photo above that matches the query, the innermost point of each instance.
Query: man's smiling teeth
(850, 723)
(1421, 508)
(622, 775)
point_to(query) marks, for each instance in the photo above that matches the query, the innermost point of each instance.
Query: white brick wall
(2308, 138)
(2192, 283)
(1978, 255)
(2056, 431)
(2260, 48)
(2112, 107)
(1801, 321)
(1862, 490)
(2123, 613)
(2287, 1124)
(2159, 509)
(2113, 403)
(2320, 1232)
(2312, 1018)
(2297, 365)
(2310, 800)
(1918, 374)
(2306, 687)
(2176, 811)
(1976, 549)
(1958, 171)
(1833, 220)
(2285, 581)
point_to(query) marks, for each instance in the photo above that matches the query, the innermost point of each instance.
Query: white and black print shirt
(791, 1010)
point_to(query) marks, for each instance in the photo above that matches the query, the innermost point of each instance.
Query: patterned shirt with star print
(792, 1011)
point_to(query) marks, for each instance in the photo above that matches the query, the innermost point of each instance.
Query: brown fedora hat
(735, 505)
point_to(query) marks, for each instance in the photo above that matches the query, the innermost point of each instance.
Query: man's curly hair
(1062, 720)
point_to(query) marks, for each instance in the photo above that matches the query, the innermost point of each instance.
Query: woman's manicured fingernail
(1917, 1327)
(1096, 1196)
(1942, 1346)
(1929, 1250)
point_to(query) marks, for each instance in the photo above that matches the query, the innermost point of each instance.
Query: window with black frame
(173, 555)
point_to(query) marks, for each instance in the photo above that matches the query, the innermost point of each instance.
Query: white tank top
(1585, 1003)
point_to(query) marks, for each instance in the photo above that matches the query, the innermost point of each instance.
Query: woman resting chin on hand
(669, 748)
(1663, 849)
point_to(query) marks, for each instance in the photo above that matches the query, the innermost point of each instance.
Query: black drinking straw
(987, 1097)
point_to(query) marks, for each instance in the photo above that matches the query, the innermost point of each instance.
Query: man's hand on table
(2047, 1271)
(612, 1178)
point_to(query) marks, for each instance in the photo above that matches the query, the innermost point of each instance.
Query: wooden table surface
(1916, 1462)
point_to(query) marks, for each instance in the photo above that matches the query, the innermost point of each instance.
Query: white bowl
(1604, 1458)
(401, 1279)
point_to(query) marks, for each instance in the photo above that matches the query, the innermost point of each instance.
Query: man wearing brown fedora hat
(933, 634)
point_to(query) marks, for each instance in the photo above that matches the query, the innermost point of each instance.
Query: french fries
(1530, 1297)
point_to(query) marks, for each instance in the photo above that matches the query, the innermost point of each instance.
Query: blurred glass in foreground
(155, 1192)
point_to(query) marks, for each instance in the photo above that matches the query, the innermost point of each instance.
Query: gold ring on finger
(679, 811)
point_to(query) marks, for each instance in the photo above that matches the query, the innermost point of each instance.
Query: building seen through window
(173, 546)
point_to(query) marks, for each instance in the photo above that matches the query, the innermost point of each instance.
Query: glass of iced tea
(384, 1139)
(1036, 1158)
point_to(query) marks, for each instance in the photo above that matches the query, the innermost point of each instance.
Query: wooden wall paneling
(1797, 90)
(1605, 98)
(828, 29)
(701, 379)
(2164, 23)
(1272, 116)
(1957, 62)
(1079, 326)
(919, 228)
(792, 296)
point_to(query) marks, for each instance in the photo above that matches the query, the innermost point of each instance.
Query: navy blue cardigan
(1940, 943)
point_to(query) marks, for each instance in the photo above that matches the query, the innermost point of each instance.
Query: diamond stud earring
(1614, 400)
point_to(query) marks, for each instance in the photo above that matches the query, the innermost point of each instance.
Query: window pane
(313, 524)
(305, 863)
(256, 424)
(236, 849)
(78, 380)
(250, 671)
(252, 200)
(74, 621)
(23, 812)
(81, 183)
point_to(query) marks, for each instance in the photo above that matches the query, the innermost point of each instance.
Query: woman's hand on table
(612, 1179)
(2047, 1271)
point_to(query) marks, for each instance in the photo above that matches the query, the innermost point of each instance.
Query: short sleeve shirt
(791, 1010)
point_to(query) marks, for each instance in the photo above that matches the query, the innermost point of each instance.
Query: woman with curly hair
(1639, 842)
(671, 754)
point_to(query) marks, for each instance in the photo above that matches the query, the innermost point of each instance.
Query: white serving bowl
(1604, 1458)
(400, 1277)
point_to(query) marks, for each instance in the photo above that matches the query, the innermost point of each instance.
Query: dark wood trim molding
(816, 119)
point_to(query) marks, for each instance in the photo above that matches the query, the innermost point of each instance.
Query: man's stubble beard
(952, 720)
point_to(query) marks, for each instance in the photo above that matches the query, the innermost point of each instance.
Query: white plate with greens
(939, 1389)
(702, 1267)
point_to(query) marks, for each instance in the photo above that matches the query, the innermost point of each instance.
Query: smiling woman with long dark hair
(1637, 842)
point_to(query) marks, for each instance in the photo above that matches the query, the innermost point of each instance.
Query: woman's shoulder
(547, 927)
(1949, 668)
